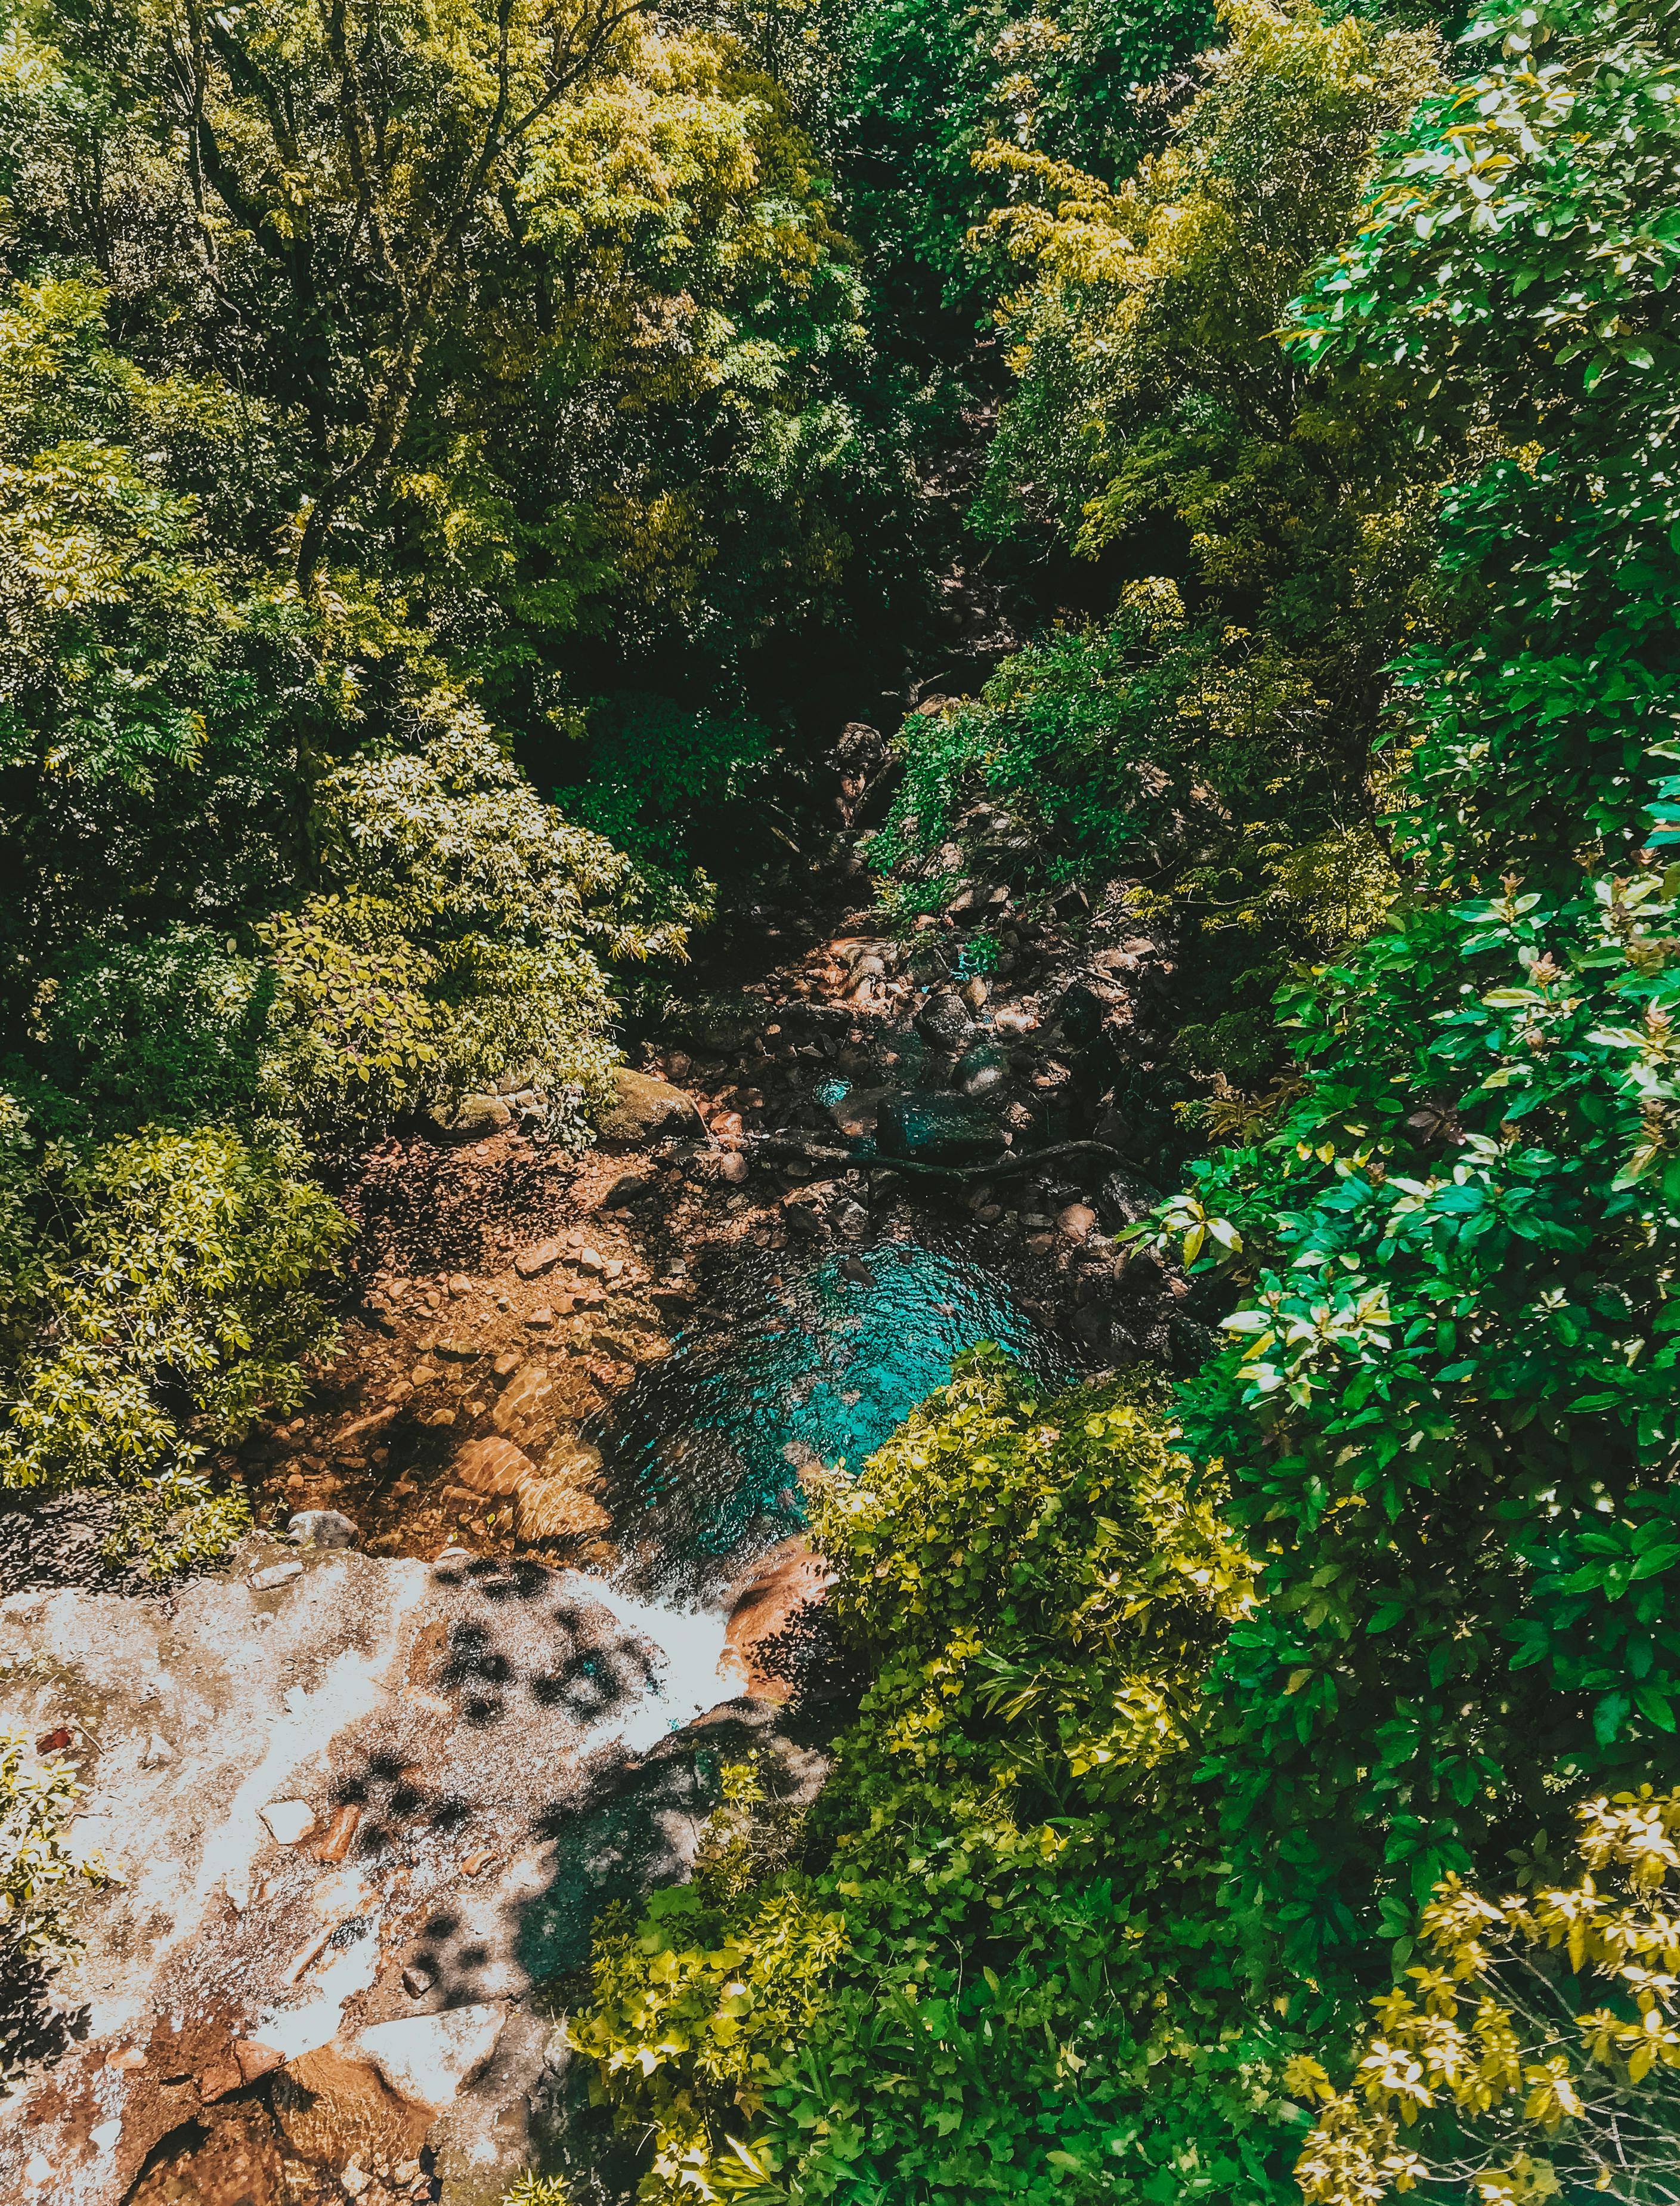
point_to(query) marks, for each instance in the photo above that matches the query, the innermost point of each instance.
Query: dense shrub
(679, 791)
(164, 1288)
(1495, 2073)
(465, 934)
(1003, 1971)
(1449, 1416)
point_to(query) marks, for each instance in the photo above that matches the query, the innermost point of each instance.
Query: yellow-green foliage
(39, 1872)
(1176, 280)
(172, 1265)
(988, 1508)
(464, 936)
(701, 2002)
(111, 615)
(530, 2189)
(1002, 1972)
(1494, 2074)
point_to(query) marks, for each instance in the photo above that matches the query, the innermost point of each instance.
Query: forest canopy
(458, 465)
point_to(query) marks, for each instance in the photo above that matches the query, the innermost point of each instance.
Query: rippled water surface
(799, 1364)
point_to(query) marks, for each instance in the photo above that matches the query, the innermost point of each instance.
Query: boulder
(720, 1025)
(523, 1396)
(1078, 1220)
(645, 1110)
(786, 1580)
(1124, 1198)
(541, 1257)
(492, 1468)
(426, 2058)
(986, 906)
(944, 1022)
(981, 1069)
(288, 1820)
(1107, 1336)
(276, 1574)
(322, 1527)
(326, 2098)
(469, 1120)
(929, 1127)
(571, 1458)
(854, 1112)
(1083, 1013)
(557, 1509)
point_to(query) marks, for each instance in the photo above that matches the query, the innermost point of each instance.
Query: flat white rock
(276, 1574)
(289, 1820)
(426, 2058)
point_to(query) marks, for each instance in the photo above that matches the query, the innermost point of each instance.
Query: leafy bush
(174, 1285)
(1005, 1957)
(1188, 761)
(923, 88)
(113, 615)
(698, 2005)
(1448, 1414)
(529, 2188)
(1220, 759)
(667, 785)
(161, 1032)
(464, 935)
(1492, 2079)
(37, 1870)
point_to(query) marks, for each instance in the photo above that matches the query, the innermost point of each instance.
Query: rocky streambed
(367, 1793)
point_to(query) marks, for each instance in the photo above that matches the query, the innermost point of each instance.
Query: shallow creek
(371, 1799)
(795, 1365)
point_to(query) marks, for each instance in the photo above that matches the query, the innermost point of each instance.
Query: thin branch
(1001, 1167)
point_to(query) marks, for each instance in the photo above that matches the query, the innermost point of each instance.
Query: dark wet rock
(870, 773)
(855, 1112)
(926, 1127)
(981, 901)
(1105, 1335)
(1124, 1198)
(981, 1069)
(946, 1021)
(719, 1024)
(1082, 1012)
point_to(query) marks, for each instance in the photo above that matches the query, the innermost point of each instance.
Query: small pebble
(288, 1820)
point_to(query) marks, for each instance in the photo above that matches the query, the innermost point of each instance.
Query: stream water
(791, 1365)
